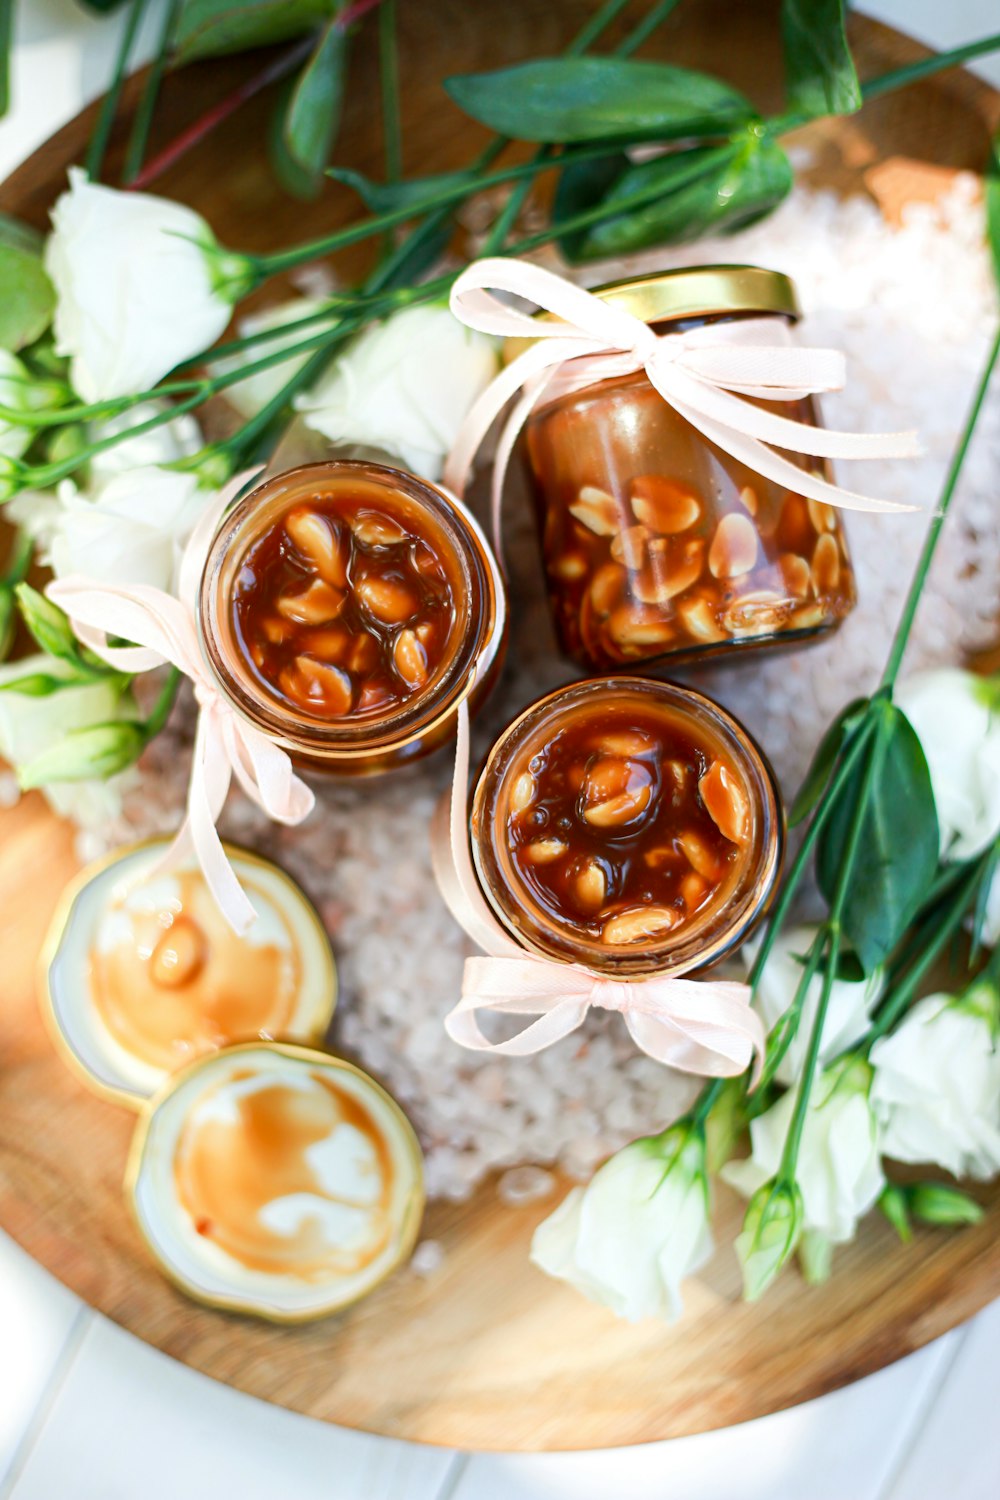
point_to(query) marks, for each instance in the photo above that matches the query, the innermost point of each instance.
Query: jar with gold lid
(627, 825)
(347, 609)
(657, 544)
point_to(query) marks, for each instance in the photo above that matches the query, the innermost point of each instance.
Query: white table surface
(89, 1413)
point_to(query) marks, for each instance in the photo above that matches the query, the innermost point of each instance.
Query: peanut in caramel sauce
(624, 824)
(346, 606)
(182, 983)
(229, 1168)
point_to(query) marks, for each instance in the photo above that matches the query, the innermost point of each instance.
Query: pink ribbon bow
(702, 373)
(697, 1026)
(164, 629)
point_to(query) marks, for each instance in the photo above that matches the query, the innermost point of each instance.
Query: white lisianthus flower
(251, 395)
(140, 286)
(630, 1237)
(166, 444)
(130, 529)
(953, 713)
(936, 1093)
(851, 1003)
(838, 1169)
(32, 727)
(403, 386)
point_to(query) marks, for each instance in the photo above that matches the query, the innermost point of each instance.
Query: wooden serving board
(485, 1353)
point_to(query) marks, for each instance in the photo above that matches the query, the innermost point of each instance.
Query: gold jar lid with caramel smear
(276, 1181)
(141, 974)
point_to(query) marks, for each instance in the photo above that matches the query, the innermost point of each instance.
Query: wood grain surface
(485, 1353)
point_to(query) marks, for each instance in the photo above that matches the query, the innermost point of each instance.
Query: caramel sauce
(622, 825)
(234, 1164)
(182, 983)
(347, 606)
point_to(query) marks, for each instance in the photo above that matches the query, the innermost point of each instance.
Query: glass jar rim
(419, 716)
(693, 945)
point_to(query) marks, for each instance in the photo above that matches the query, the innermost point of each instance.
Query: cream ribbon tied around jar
(163, 629)
(702, 373)
(697, 1026)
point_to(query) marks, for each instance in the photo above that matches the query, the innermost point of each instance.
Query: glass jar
(628, 825)
(657, 544)
(347, 609)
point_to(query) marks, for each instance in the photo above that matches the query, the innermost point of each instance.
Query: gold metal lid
(698, 291)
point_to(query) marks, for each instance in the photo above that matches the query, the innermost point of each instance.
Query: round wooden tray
(486, 1353)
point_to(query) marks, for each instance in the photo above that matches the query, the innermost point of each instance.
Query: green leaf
(939, 1203)
(687, 194)
(827, 754)
(413, 192)
(600, 98)
(897, 852)
(992, 190)
(894, 1204)
(28, 295)
(819, 70)
(209, 28)
(8, 620)
(314, 107)
(582, 186)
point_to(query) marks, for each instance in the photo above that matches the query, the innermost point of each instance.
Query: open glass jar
(628, 825)
(656, 543)
(347, 609)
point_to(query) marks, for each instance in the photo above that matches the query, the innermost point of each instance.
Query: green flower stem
(109, 105)
(6, 29)
(934, 530)
(943, 930)
(388, 56)
(160, 712)
(656, 16)
(937, 63)
(785, 1029)
(143, 119)
(831, 929)
(598, 23)
(19, 557)
(847, 763)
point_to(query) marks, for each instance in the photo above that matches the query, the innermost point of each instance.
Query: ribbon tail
(555, 1019)
(209, 784)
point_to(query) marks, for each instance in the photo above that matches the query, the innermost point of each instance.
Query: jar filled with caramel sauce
(347, 609)
(658, 545)
(627, 825)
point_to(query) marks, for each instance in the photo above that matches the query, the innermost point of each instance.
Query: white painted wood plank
(842, 1445)
(128, 1421)
(955, 1451)
(36, 1319)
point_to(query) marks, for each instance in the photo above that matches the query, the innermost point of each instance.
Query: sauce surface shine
(623, 826)
(346, 607)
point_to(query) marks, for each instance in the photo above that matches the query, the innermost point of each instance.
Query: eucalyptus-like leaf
(897, 851)
(413, 192)
(312, 117)
(827, 754)
(209, 28)
(687, 194)
(28, 295)
(992, 192)
(820, 75)
(600, 98)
